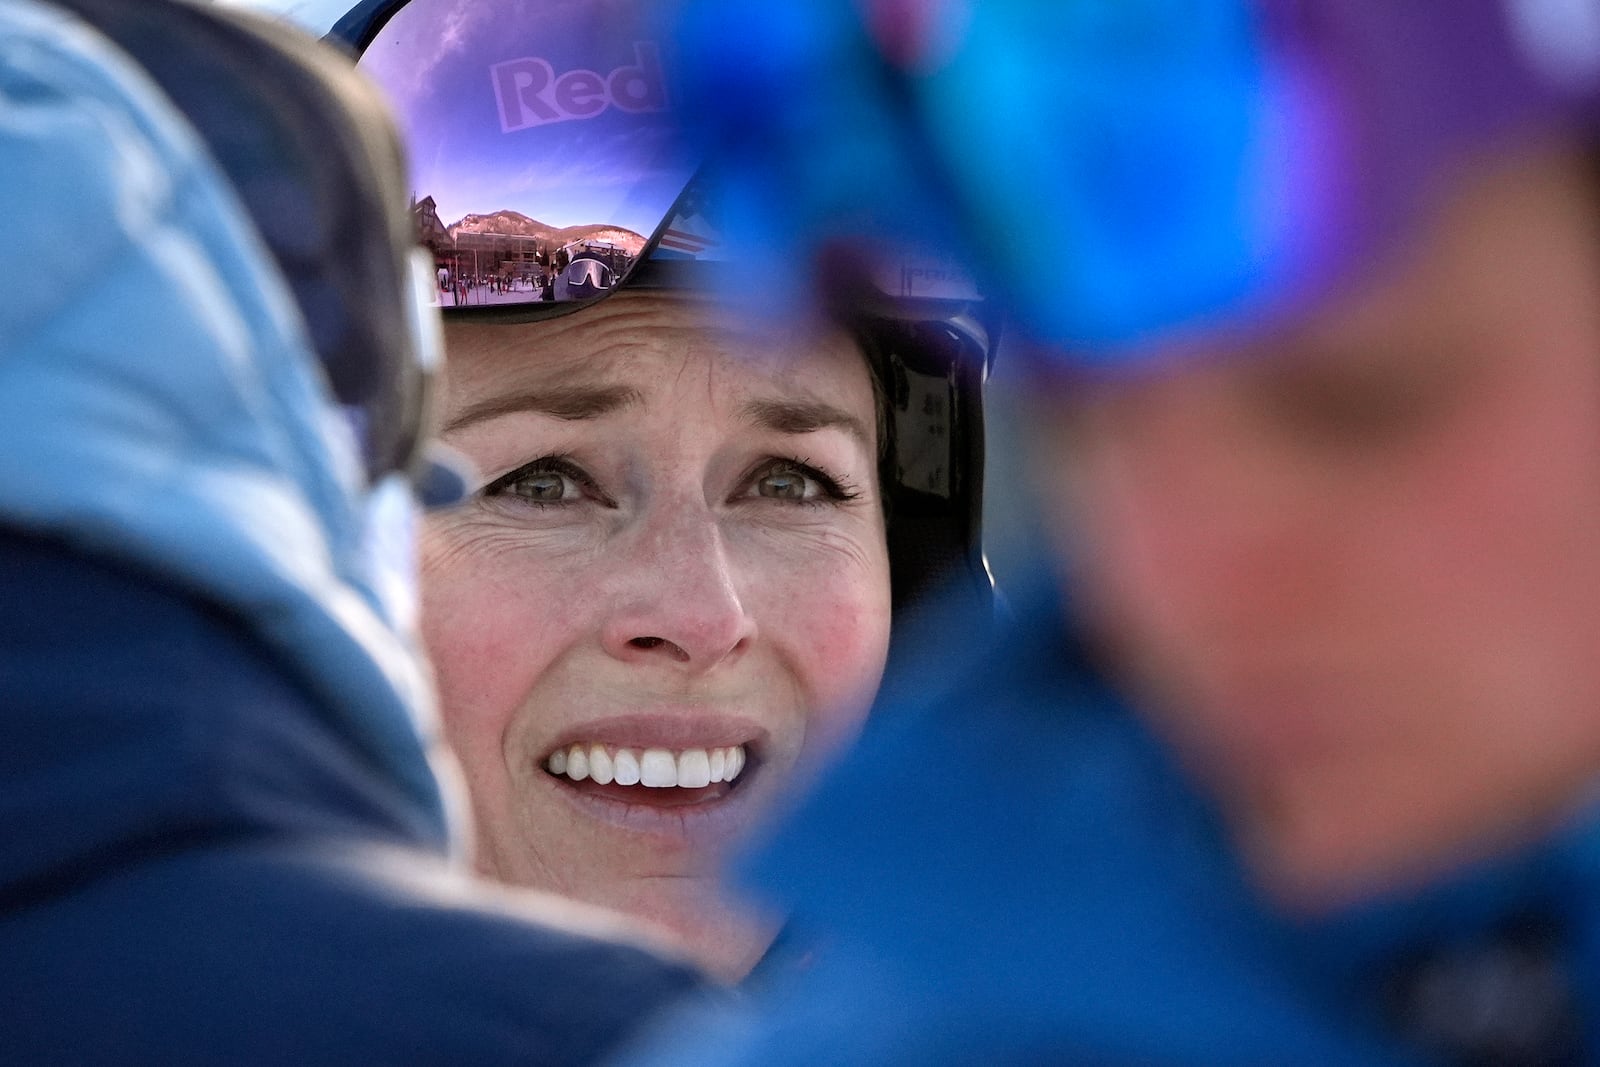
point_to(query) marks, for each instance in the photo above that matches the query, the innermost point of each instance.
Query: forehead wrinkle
(549, 366)
(571, 368)
(569, 401)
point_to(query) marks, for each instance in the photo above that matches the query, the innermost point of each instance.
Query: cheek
(491, 631)
(1493, 539)
(828, 619)
(1122, 523)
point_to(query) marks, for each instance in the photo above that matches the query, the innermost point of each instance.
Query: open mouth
(656, 776)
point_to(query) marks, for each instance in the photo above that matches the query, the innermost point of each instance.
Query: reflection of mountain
(516, 224)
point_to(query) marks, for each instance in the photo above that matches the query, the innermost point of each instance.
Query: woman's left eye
(791, 480)
(787, 485)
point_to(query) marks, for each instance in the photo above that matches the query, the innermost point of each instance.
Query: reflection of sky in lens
(437, 60)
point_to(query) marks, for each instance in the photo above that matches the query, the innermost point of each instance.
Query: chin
(694, 916)
(725, 937)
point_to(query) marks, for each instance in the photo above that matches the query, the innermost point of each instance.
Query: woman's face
(675, 571)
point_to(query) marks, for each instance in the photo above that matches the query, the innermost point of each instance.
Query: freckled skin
(1356, 571)
(773, 610)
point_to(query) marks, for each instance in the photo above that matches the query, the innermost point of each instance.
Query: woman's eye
(545, 487)
(1363, 398)
(786, 485)
(550, 480)
(791, 480)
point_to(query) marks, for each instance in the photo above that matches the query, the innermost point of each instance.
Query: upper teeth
(658, 768)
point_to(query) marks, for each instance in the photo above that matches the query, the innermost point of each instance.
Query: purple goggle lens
(545, 151)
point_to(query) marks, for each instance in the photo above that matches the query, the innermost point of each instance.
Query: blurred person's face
(1355, 571)
(676, 572)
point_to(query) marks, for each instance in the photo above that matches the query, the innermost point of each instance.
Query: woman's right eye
(543, 487)
(547, 481)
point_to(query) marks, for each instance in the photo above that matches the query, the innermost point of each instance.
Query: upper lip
(675, 730)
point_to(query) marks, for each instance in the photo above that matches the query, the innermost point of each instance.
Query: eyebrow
(804, 416)
(570, 402)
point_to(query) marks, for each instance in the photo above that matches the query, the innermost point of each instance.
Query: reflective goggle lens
(545, 152)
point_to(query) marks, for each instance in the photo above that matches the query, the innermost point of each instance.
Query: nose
(678, 598)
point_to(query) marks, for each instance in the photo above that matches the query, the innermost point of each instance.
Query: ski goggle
(546, 154)
(551, 166)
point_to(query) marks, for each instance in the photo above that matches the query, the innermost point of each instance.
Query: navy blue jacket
(197, 869)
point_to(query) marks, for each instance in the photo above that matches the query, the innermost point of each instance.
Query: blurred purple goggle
(1117, 172)
(546, 157)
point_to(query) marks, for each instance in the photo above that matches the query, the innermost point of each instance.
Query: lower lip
(692, 816)
(648, 797)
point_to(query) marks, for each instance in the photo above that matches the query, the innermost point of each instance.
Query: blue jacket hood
(162, 411)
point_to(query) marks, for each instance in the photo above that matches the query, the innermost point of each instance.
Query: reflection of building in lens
(508, 253)
(502, 255)
(431, 233)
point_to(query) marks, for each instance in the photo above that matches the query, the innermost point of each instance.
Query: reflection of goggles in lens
(586, 278)
(545, 153)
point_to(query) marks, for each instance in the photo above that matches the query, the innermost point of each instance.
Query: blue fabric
(197, 869)
(1010, 870)
(223, 841)
(156, 400)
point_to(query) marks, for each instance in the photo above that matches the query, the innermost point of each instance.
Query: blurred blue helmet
(1114, 170)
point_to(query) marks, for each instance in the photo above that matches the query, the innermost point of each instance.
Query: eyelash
(557, 464)
(834, 490)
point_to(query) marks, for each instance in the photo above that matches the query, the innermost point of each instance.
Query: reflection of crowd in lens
(507, 257)
(468, 289)
(577, 272)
